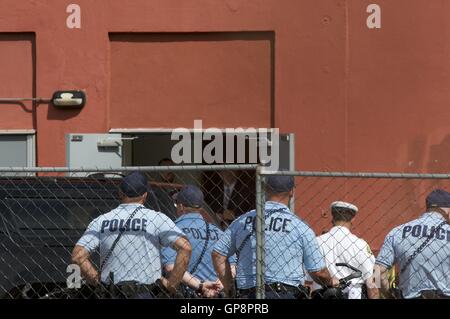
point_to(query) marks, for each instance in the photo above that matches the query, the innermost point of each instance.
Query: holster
(303, 292)
(396, 293)
(187, 292)
(102, 292)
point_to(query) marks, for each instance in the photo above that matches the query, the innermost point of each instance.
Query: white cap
(345, 205)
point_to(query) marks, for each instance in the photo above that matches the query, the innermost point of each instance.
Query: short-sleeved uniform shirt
(430, 269)
(339, 245)
(136, 256)
(194, 227)
(290, 244)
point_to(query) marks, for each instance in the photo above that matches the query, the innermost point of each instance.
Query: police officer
(339, 245)
(421, 248)
(201, 277)
(290, 244)
(130, 238)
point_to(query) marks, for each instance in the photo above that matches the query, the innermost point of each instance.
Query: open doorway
(127, 147)
(150, 148)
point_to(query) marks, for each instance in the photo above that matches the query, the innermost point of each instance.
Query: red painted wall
(170, 79)
(357, 99)
(16, 80)
(308, 76)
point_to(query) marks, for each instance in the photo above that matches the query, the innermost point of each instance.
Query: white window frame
(290, 137)
(31, 143)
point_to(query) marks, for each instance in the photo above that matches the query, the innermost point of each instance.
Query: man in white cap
(339, 245)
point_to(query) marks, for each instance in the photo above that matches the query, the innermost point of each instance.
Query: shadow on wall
(392, 202)
(439, 157)
(438, 161)
(426, 156)
(429, 154)
(55, 113)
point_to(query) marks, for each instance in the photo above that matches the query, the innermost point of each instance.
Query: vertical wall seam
(346, 83)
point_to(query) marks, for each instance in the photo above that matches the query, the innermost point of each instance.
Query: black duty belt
(432, 294)
(279, 288)
(130, 289)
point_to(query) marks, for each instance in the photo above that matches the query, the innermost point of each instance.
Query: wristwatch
(200, 287)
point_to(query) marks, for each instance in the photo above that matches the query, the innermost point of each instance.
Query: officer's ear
(291, 193)
(446, 210)
(144, 197)
(179, 209)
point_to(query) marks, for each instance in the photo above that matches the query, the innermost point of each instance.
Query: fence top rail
(356, 174)
(128, 168)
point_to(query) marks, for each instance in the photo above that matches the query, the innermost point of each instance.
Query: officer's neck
(441, 212)
(137, 201)
(282, 199)
(188, 211)
(343, 224)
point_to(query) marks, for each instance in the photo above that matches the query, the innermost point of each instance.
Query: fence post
(260, 223)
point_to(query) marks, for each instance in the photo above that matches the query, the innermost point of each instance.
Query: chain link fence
(383, 200)
(44, 212)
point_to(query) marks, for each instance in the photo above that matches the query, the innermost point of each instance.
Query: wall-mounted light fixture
(62, 99)
(71, 99)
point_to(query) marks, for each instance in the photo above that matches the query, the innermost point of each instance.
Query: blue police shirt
(193, 225)
(290, 244)
(137, 253)
(430, 269)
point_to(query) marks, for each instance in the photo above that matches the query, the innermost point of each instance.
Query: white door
(94, 151)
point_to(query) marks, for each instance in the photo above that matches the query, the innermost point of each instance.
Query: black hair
(342, 214)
